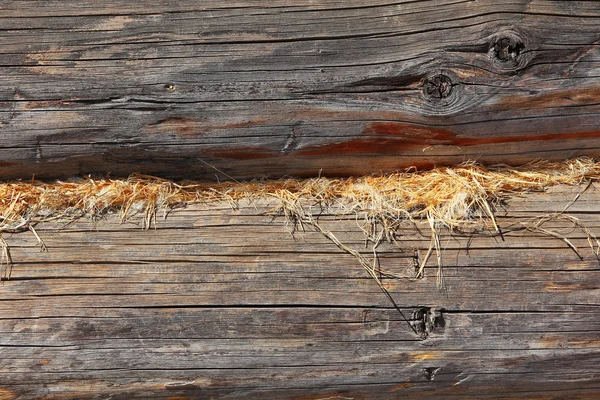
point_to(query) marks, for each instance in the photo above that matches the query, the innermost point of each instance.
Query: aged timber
(293, 87)
(222, 303)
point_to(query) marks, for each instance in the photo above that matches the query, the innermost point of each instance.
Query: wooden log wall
(222, 303)
(299, 87)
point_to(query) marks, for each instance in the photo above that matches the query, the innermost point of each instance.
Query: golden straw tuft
(448, 198)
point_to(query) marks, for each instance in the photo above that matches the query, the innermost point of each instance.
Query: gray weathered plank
(218, 302)
(293, 87)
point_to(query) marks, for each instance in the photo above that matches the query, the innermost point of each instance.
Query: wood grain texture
(293, 87)
(222, 303)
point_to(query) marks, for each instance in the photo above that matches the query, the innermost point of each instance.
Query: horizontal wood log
(225, 303)
(293, 87)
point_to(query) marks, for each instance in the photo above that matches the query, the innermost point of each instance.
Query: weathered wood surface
(293, 87)
(220, 303)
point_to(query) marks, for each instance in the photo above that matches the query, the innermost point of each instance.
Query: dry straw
(449, 200)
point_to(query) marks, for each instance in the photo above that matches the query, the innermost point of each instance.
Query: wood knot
(437, 87)
(507, 51)
(430, 372)
(426, 320)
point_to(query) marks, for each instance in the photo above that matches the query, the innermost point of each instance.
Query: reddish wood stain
(390, 138)
(394, 138)
(399, 138)
(530, 138)
(407, 131)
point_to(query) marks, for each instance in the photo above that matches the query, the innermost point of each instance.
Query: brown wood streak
(398, 145)
(387, 138)
(186, 128)
(222, 303)
(6, 394)
(384, 138)
(398, 138)
(552, 98)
